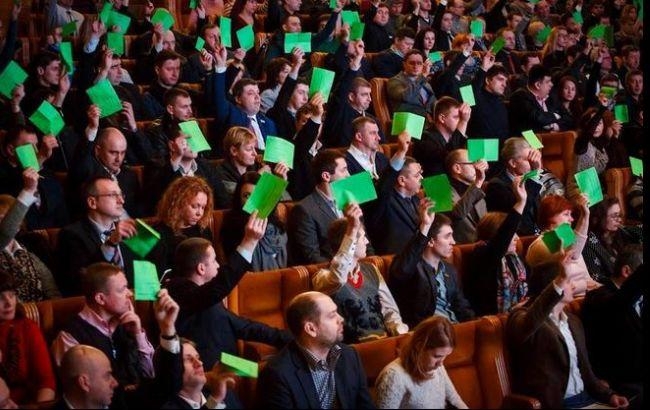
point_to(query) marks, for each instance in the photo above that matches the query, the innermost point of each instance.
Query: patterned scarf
(512, 286)
(22, 265)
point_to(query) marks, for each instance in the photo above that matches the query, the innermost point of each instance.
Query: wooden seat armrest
(258, 352)
(519, 401)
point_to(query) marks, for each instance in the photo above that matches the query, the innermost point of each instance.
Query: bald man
(86, 378)
(287, 381)
(102, 154)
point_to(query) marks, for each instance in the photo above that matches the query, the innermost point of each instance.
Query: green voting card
(356, 31)
(597, 32)
(532, 139)
(589, 184)
(321, 81)
(119, 20)
(498, 44)
(142, 242)
(103, 95)
(145, 278)
(299, 40)
(532, 174)
(225, 26)
(47, 119)
(27, 157)
(65, 49)
(637, 166)
(69, 29)
(476, 28)
(12, 76)
(194, 4)
(486, 149)
(246, 37)
(621, 113)
(577, 17)
(438, 189)
(241, 367)
(164, 17)
(467, 94)
(543, 34)
(435, 56)
(562, 236)
(265, 195)
(196, 140)
(115, 41)
(350, 17)
(279, 150)
(104, 15)
(357, 188)
(199, 44)
(406, 121)
(609, 92)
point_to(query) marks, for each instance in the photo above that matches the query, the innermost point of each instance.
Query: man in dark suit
(517, 158)
(509, 60)
(388, 63)
(96, 237)
(528, 107)
(409, 90)
(392, 217)
(547, 345)
(613, 319)
(364, 152)
(421, 281)
(310, 218)
(246, 112)
(316, 358)
(102, 153)
(376, 36)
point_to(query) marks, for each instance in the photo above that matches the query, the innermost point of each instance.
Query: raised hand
(220, 56)
(46, 147)
(93, 116)
(17, 96)
(353, 214)
(166, 312)
(535, 159)
(427, 216)
(281, 170)
(219, 381)
(127, 111)
(123, 229)
(403, 142)
(30, 180)
(206, 60)
(481, 167)
(254, 231)
(177, 148)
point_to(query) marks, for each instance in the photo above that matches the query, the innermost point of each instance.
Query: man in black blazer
(422, 283)
(518, 158)
(376, 36)
(316, 358)
(364, 153)
(613, 320)
(529, 106)
(388, 63)
(96, 237)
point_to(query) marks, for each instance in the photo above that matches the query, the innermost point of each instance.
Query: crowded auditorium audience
(448, 190)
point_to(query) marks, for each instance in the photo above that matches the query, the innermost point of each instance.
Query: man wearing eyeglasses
(97, 237)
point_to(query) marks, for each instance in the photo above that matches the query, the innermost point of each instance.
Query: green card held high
(298, 40)
(69, 29)
(145, 278)
(65, 49)
(27, 157)
(104, 15)
(12, 76)
(435, 56)
(246, 37)
(103, 95)
(115, 41)
(487, 149)
(164, 17)
(409, 122)
(225, 27)
(279, 150)
(637, 166)
(438, 189)
(532, 139)
(621, 113)
(199, 44)
(142, 242)
(560, 237)
(476, 28)
(265, 195)
(350, 17)
(589, 184)
(357, 188)
(195, 138)
(467, 94)
(543, 34)
(498, 44)
(47, 119)
(241, 367)
(119, 20)
(356, 31)
(321, 81)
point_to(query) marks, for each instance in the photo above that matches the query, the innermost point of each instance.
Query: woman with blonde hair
(554, 51)
(418, 379)
(184, 211)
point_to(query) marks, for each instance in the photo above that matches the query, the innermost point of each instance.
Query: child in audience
(417, 379)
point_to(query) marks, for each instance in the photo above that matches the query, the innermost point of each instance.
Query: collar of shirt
(101, 228)
(13, 247)
(318, 364)
(90, 316)
(366, 161)
(561, 319)
(193, 404)
(326, 197)
(188, 172)
(396, 51)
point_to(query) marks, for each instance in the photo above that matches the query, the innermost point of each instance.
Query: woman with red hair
(555, 210)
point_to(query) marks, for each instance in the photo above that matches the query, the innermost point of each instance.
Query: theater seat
(317, 59)
(557, 154)
(617, 181)
(380, 104)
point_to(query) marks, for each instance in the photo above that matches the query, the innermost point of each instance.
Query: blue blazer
(231, 115)
(285, 382)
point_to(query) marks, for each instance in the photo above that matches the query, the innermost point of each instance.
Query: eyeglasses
(114, 195)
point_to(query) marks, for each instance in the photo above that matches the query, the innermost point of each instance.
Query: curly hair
(178, 194)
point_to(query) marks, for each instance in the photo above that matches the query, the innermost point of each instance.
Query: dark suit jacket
(432, 149)
(539, 354)
(614, 330)
(526, 113)
(415, 290)
(286, 382)
(499, 197)
(79, 245)
(285, 121)
(228, 114)
(307, 229)
(387, 64)
(381, 163)
(391, 222)
(376, 38)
